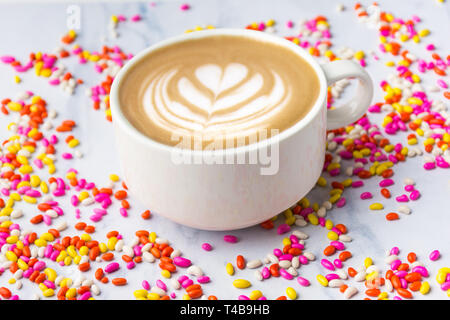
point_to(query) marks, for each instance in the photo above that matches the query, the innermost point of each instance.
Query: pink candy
(327, 264)
(181, 262)
(434, 255)
(402, 198)
(302, 281)
(366, 195)
(230, 238)
(206, 247)
(113, 266)
(386, 183)
(283, 228)
(184, 7)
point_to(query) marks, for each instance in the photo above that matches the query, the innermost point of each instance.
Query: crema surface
(218, 87)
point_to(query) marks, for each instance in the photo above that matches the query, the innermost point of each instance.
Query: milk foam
(223, 100)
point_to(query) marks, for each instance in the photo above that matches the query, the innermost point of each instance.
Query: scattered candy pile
(354, 154)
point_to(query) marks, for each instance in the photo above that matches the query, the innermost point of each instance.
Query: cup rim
(119, 118)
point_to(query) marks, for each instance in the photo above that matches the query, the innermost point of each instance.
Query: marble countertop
(26, 27)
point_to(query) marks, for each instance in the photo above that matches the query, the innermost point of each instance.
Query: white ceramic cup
(233, 196)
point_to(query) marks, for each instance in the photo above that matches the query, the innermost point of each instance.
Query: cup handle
(358, 105)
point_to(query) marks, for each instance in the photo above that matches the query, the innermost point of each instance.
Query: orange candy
(119, 281)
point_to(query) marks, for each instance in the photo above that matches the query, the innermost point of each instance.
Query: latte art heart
(220, 86)
(212, 100)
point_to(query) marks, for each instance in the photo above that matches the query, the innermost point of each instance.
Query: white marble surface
(33, 26)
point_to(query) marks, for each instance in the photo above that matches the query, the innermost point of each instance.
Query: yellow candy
(424, 32)
(73, 143)
(270, 23)
(333, 236)
(67, 261)
(229, 268)
(103, 248)
(71, 293)
(47, 236)
(22, 264)
(153, 296)
(48, 293)
(85, 237)
(329, 224)
(83, 251)
(313, 219)
(333, 199)
(241, 283)
(425, 288)
(114, 177)
(291, 293)
(12, 239)
(376, 206)
(441, 277)
(368, 262)
(255, 295)
(14, 106)
(322, 182)
(141, 293)
(166, 274)
(40, 242)
(322, 280)
(111, 244)
(383, 295)
(50, 273)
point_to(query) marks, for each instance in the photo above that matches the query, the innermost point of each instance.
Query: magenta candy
(366, 195)
(434, 255)
(341, 202)
(286, 274)
(386, 183)
(206, 246)
(303, 259)
(161, 285)
(265, 273)
(422, 270)
(203, 279)
(402, 198)
(286, 257)
(302, 281)
(357, 184)
(401, 273)
(395, 264)
(283, 228)
(404, 283)
(327, 264)
(414, 195)
(332, 276)
(394, 251)
(181, 262)
(186, 283)
(277, 252)
(338, 263)
(145, 285)
(85, 296)
(243, 297)
(130, 265)
(230, 238)
(113, 266)
(429, 166)
(445, 286)
(338, 245)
